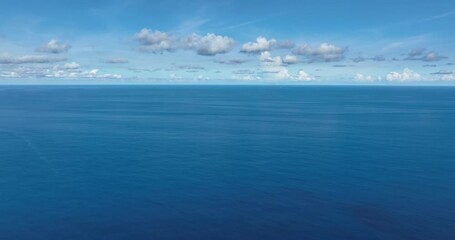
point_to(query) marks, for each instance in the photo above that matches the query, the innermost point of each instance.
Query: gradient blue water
(227, 162)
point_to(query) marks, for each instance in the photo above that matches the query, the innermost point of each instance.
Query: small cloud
(53, 46)
(261, 44)
(231, 62)
(377, 58)
(28, 59)
(290, 59)
(303, 76)
(155, 41)
(442, 72)
(406, 75)
(243, 71)
(421, 54)
(430, 65)
(432, 57)
(117, 60)
(266, 57)
(208, 45)
(416, 52)
(341, 65)
(71, 65)
(323, 53)
(447, 77)
(363, 78)
(190, 67)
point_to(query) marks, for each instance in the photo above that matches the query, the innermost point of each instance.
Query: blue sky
(233, 41)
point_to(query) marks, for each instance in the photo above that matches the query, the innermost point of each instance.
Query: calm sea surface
(227, 162)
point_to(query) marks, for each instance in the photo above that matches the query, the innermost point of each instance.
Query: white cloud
(28, 59)
(71, 65)
(250, 77)
(290, 59)
(155, 41)
(406, 75)
(283, 73)
(208, 45)
(447, 77)
(69, 70)
(266, 57)
(53, 46)
(363, 78)
(324, 53)
(274, 65)
(261, 45)
(303, 76)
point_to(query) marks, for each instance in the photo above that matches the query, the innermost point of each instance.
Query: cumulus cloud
(303, 76)
(28, 59)
(266, 57)
(447, 77)
(277, 67)
(421, 54)
(208, 45)
(155, 41)
(274, 65)
(406, 75)
(363, 78)
(443, 75)
(68, 70)
(53, 46)
(261, 44)
(323, 53)
(248, 77)
(290, 59)
(93, 73)
(71, 65)
(117, 60)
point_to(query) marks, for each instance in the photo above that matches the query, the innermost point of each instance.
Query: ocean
(227, 162)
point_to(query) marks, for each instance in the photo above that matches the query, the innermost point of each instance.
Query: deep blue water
(227, 162)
